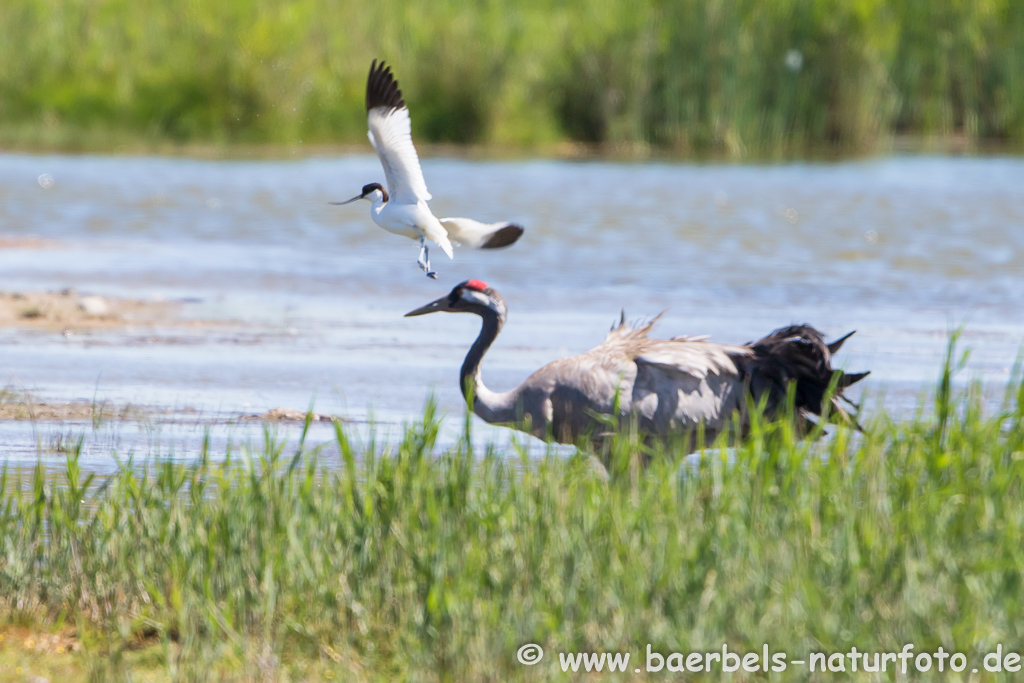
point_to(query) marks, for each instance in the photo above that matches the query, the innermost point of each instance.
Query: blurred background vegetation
(732, 78)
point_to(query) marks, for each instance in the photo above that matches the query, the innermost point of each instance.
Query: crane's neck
(490, 406)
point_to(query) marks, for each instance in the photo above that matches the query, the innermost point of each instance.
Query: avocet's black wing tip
(503, 236)
(382, 88)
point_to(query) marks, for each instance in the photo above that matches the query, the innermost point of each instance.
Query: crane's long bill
(348, 201)
(433, 307)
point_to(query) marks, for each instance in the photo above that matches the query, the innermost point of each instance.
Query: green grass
(402, 562)
(701, 77)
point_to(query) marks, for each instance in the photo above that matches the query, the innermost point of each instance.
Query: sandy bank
(70, 311)
(20, 405)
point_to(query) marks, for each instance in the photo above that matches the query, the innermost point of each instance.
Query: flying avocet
(402, 207)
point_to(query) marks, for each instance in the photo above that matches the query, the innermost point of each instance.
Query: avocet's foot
(424, 260)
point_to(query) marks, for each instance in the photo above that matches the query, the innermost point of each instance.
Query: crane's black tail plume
(798, 354)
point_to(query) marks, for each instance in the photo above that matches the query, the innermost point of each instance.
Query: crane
(670, 385)
(402, 208)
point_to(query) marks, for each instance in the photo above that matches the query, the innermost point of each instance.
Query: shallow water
(900, 249)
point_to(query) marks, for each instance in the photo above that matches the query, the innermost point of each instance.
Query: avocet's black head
(374, 187)
(471, 296)
(368, 193)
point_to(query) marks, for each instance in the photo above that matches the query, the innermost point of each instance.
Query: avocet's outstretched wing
(477, 235)
(391, 136)
(433, 229)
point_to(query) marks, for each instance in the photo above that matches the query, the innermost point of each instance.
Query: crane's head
(471, 296)
(374, 192)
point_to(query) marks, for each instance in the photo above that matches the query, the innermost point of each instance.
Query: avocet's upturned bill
(402, 207)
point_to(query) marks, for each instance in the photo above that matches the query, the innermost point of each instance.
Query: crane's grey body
(669, 386)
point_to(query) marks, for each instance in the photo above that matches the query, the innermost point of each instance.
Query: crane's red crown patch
(478, 285)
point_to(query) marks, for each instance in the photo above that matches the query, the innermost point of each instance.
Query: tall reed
(376, 562)
(738, 78)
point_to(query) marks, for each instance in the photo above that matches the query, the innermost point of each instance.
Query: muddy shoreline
(68, 310)
(21, 405)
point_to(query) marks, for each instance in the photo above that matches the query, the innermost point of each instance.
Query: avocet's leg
(424, 260)
(431, 274)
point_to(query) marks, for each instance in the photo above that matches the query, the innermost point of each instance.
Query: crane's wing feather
(798, 354)
(390, 133)
(691, 356)
(477, 235)
(626, 332)
(694, 358)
